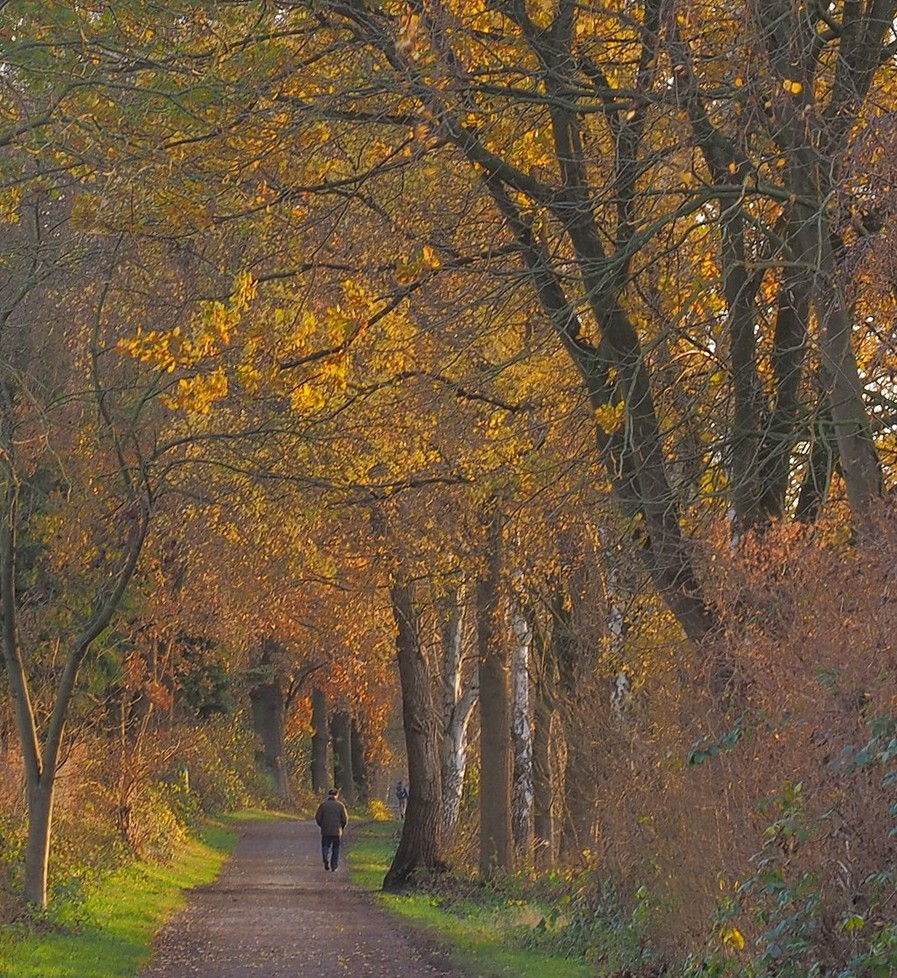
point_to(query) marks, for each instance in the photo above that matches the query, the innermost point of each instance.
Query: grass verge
(118, 919)
(481, 933)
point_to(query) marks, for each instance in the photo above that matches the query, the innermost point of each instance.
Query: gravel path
(276, 913)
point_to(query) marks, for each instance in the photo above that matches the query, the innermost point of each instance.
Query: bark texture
(268, 717)
(319, 742)
(459, 697)
(521, 725)
(496, 844)
(419, 846)
(343, 775)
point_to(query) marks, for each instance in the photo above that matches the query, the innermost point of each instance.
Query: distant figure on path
(401, 798)
(332, 818)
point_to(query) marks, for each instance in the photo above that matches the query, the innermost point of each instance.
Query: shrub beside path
(276, 913)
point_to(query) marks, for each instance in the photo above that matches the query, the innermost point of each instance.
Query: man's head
(333, 793)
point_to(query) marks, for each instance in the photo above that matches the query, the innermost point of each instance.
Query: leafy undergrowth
(107, 932)
(488, 931)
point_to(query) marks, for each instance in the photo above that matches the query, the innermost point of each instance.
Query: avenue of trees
(518, 371)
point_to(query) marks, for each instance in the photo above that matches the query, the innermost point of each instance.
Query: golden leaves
(410, 38)
(426, 259)
(733, 938)
(542, 12)
(10, 201)
(610, 416)
(245, 290)
(196, 349)
(199, 393)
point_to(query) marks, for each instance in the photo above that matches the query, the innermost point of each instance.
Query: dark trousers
(330, 850)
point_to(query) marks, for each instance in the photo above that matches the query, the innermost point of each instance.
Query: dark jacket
(332, 817)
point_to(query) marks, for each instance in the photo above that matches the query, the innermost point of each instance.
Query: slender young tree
(116, 540)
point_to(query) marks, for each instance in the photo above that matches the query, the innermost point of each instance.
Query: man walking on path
(401, 798)
(332, 818)
(269, 916)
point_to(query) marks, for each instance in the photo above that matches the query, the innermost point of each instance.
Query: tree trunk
(268, 718)
(359, 764)
(41, 760)
(320, 781)
(789, 351)
(37, 846)
(860, 464)
(543, 782)
(522, 798)
(618, 595)
(748, 420)
(574, 667)
(580, 793)
(496, 849)
(813, 141)
(458, 701)
(343, 776)
(419, 846)
(633, 455)
(267, 721)
(740, 287)
(820, 465)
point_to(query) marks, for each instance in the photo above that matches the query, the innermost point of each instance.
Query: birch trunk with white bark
(459, 697)
(522, 732)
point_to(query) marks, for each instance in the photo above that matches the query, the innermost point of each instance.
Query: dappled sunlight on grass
(118, 919)
(481, 932)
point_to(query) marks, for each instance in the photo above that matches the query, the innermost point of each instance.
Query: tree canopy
(368, 342)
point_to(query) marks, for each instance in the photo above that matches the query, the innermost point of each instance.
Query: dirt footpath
(276, 913)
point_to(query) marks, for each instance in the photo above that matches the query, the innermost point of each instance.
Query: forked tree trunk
(860, 464)
(419, 847)
(814, 141)
(614, 369)
(41, 759)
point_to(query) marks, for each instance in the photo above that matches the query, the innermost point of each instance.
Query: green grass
(119, 918)
(480, 933)
(370, 852)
